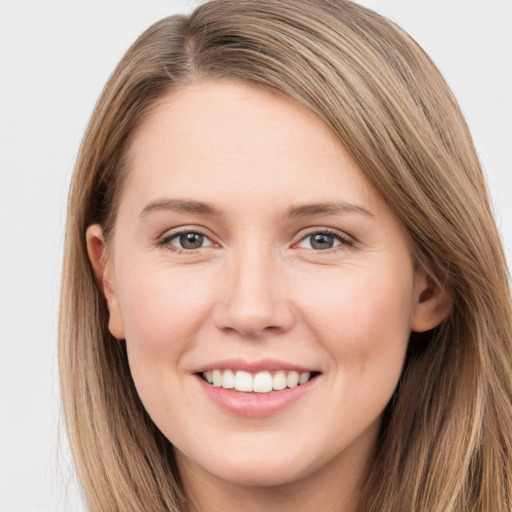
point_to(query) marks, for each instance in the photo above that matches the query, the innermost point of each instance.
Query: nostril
(252, 331)
(255, 305)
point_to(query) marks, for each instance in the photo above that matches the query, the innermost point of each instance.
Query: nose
(255, 300)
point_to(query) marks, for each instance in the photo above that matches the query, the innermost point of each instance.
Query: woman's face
(250, 250)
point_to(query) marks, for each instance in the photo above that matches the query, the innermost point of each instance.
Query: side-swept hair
(446, 439)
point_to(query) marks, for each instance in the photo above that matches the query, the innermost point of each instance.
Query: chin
(257, 469)
(260, 475)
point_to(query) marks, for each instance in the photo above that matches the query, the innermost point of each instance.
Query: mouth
(256, 382)
(256, 389)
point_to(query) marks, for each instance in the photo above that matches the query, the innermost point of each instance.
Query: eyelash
(165, 241)
(344, 240)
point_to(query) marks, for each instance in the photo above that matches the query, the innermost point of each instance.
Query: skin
(256, 289)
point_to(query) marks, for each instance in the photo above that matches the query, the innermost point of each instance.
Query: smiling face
(250, 251)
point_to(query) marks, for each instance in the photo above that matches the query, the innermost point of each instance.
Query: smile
(256, 389)
(260, 382)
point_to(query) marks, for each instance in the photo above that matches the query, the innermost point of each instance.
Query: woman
(283, 286)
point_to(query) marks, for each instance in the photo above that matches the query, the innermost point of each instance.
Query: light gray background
(54, 59)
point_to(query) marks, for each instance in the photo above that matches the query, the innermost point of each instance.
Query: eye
(187, 240)
(324, 240)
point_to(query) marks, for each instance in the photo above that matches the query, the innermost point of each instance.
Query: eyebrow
(328, 208)
(207, 209)
(181, 205)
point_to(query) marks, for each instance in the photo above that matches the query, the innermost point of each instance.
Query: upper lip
(260, 365)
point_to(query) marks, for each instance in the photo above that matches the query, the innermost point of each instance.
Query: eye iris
(322, 241)
(191, 240)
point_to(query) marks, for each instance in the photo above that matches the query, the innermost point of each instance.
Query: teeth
(228, 379)
(243, 381)
(304, 377)
(217, 378)
(261, 382)
(292, 380)
(279, 381)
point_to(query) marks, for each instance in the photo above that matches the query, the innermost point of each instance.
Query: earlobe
(103, 271)
(431, 303)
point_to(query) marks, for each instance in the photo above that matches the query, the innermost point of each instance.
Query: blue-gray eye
(189, 240)
(321, 241)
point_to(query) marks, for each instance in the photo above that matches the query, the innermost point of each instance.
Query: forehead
(219, 138)
(222, 114)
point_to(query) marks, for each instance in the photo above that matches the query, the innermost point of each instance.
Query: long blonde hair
(446, 441)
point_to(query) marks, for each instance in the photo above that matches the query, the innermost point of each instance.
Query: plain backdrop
(54, 59)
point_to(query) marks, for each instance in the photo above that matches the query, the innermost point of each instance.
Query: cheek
(162, 313)
(362, 320)
(364, 326)
(161, 308)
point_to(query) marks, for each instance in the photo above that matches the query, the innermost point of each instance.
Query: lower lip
(255, 405)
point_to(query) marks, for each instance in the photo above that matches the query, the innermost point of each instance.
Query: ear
(104, 274)
(431, 303)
